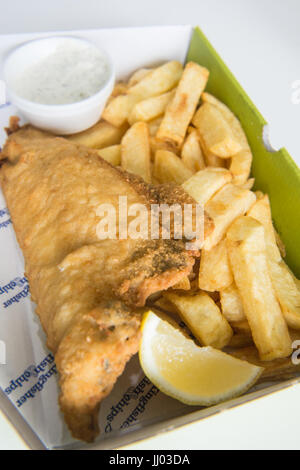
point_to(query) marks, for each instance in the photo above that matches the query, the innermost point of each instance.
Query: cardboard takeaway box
(136, 409)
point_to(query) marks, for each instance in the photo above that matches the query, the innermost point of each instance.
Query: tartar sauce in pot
(69, 74)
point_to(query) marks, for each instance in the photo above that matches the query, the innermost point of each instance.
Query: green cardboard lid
(275, 173)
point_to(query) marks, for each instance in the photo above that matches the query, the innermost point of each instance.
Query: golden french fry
(159, 80)
(191, 153)
(286, 291)
(211, 99)
(228, 115)
(223, 208)
(203, 317)
(118, 109)
(138, 75)
(180, 111)
(204, 184)
(248, 258)
(154, 126)
(159, 145)
(167, 308)
(231, 304)
(168, 167)
(215, 271)
(240, 165)
(111, 154)
(212, 160)
(280, 244)
(249, 184)
(276, 370)
(259, 195)
(216, 134)
(150, 108)
(135, 151)
(285, 287)
(261, 211)
(120, 88)
(99, 136)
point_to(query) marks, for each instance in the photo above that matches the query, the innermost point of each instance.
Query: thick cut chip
(111, 154)
(228, 115)
(204, 184)
(99, 136)
(203, 317)
(156, 82)
(166, 306)
(150, 108)
(249, 184)
(261, 211)
(156, 144)
(216, 133)
(227, 205)
(135, 151)
(232, 305)
(138, 75)
(169, 168)
(118, 109)
(211, 160)
(191, 152)
(259, 195)
(215, 271)
(280, 244)
(154, 126)
(248, 258)
(182, 107)
(120, 88)
(240, 165)
(283, 281)
(287, 292)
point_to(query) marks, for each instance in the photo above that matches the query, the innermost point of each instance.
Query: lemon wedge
(191, 374)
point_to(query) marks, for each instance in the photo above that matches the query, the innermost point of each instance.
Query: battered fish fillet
(87, 291)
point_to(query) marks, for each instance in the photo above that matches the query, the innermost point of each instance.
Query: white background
(260, 42)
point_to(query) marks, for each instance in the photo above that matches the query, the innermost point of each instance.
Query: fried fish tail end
(90, 359)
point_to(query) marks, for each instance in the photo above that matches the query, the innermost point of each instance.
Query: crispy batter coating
(86, 290)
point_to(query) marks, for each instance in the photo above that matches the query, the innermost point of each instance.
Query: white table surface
(260, 42)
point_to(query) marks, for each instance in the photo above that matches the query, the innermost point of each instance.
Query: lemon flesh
(187, 372)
